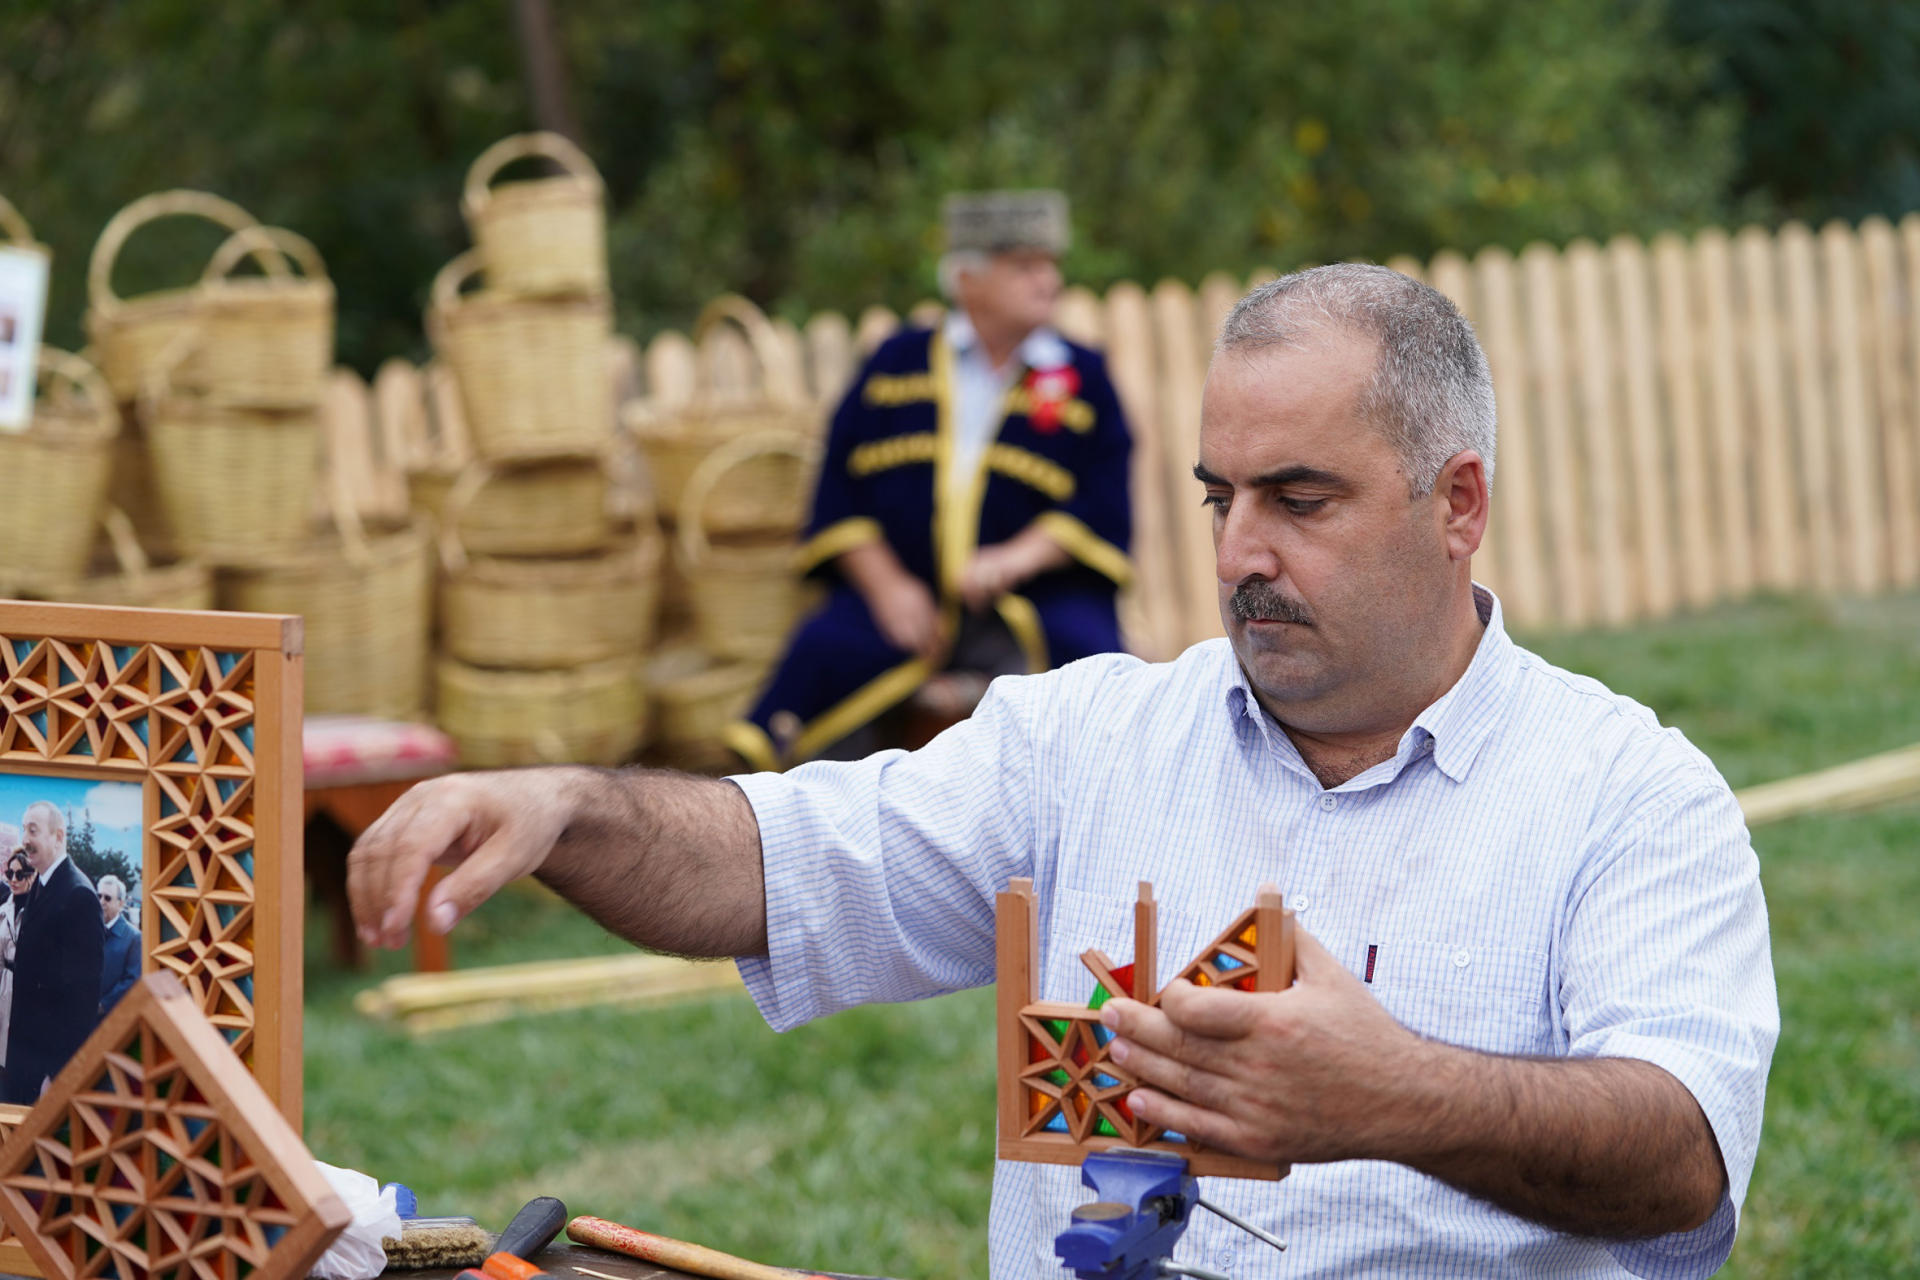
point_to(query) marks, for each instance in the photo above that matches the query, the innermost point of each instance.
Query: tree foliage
(798, 151)
(95, 861)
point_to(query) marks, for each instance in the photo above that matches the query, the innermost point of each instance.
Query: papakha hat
(999, 221)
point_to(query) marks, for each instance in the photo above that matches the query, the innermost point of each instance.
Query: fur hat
(998, 221)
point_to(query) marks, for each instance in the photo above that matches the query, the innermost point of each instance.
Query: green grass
(865, 1142)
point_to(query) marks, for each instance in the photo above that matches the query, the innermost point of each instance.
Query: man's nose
(1241, 549)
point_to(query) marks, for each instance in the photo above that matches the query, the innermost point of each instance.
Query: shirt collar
(1454, 727)
(1044, 348)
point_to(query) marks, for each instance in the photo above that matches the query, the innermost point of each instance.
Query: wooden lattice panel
(156, 1156)
(202, 712)
(1061, 1095)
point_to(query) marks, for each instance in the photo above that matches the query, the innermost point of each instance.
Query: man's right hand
(490, 827)
(902, 607)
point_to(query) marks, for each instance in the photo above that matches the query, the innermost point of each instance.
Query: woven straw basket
(771, 494)
(744, 595)
(542, 508)
(692, 703)
(235, 484)
(552, 611)
(56, 473)
(543, 236)
(137, 340)
(587, 715)
(264, 341)
(128, 577)
(367, 599)
(532, 372)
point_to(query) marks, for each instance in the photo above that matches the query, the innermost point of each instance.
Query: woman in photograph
(19, 879)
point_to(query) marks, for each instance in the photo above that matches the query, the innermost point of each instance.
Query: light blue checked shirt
(1540, 869)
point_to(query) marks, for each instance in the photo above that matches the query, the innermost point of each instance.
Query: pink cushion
(345, 750)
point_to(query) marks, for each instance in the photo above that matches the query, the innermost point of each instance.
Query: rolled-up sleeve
(881, 873)
(1666, 959)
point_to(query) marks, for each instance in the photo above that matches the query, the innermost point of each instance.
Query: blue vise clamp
(1128, 1233)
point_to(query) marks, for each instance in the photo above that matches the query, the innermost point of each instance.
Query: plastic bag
(356, 1253)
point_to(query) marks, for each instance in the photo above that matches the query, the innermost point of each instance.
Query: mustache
(1258, 602)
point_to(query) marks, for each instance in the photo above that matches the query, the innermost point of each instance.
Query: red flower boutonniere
(1048, 391)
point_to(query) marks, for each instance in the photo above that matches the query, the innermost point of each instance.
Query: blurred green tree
(797, 152)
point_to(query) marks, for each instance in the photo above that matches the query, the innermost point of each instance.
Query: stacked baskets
(223, 462)
(733, 478)
(547, 604)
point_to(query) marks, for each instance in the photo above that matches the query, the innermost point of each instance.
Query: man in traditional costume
(972, 509)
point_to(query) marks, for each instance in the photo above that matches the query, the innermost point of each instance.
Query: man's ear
(1462, 488)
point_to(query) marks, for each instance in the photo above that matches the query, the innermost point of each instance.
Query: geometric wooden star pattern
(1060, 1093)
(203, 712)
(154, 1155)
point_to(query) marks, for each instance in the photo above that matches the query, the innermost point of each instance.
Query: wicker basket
(543, 236)
(265, 341)
(236, 485)
(541, 508)
(769, 496)
(128, 577)
(744, 594)
(552, 612)
(587, 715)
(139, 340)
(367, 599)
(532, 372)
(693, 701)
(56, 473)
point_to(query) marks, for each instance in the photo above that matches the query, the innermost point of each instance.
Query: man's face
(1330, 575)
(1015, 291)
(43, 842)
(111, 900)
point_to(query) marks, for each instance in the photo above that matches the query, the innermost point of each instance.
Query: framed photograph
(23, 305)
(150, 820)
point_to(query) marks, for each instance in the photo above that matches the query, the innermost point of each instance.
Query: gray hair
(119, 884)
(957, 263)
(1430, 395)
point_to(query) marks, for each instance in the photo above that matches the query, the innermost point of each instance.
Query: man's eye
(1217, 501)
(1303, 506)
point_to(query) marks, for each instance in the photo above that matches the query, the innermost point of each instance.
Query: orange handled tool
(698, 1259)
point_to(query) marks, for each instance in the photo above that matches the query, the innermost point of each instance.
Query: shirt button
(1301, 903)
(1462, 958)
(1329, 802)
(1223, 1259)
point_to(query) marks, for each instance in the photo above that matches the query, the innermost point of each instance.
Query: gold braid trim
(888, 390)
(1031, 469)
(896, 451)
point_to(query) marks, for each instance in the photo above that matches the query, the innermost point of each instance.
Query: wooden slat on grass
(1887, 778)
(425, 1002)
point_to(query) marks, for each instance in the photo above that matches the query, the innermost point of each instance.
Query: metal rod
(1168, 1267)
(1245, 1226)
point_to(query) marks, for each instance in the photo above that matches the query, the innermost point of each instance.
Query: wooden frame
(155, 1154)
(203, 711)
(1060, 1096)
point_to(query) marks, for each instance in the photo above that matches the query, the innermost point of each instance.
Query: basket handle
(127, 551)
(761, 340)
(466, 487)
(83, 378)
(693, 544)
(14, 224)
(346, 518)
(268, 246)
(445, 294)
(523, 146)
(161, 204)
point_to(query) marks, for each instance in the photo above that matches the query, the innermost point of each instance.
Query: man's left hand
(993, 571)
(1314, 1073)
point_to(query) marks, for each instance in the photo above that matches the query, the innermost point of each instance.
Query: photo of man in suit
(120, 964)
(57, 960)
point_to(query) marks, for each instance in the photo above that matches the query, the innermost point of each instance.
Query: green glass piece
(1104, 1127)
(1100, 996)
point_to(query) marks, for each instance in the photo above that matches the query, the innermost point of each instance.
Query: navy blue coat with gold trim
(882, 477)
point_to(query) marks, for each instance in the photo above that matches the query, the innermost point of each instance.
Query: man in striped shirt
(1535, 1005)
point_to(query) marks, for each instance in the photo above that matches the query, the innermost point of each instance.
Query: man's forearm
(666, 860)
(1610, 1147)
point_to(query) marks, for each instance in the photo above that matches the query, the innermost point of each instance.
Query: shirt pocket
(1477, 995)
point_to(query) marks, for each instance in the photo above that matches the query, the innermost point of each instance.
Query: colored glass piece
(1060, 1077)
(1104, 1127)
(1100, 996)
(1223, 962)
(1056, 1125)
(1058, 1026)
(1102, 1080)
(1102, 1034)
(1249, 936)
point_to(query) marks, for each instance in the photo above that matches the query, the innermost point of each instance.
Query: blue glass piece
(1056, 1125)
(21, 648)
(226, 787)
(1223, 962)
(246, 735)
(1171, 1136)
(1103, 1080)
(39, 719)
(168, 681)
(123, 654)
(227, 662)
(1102, 1033)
